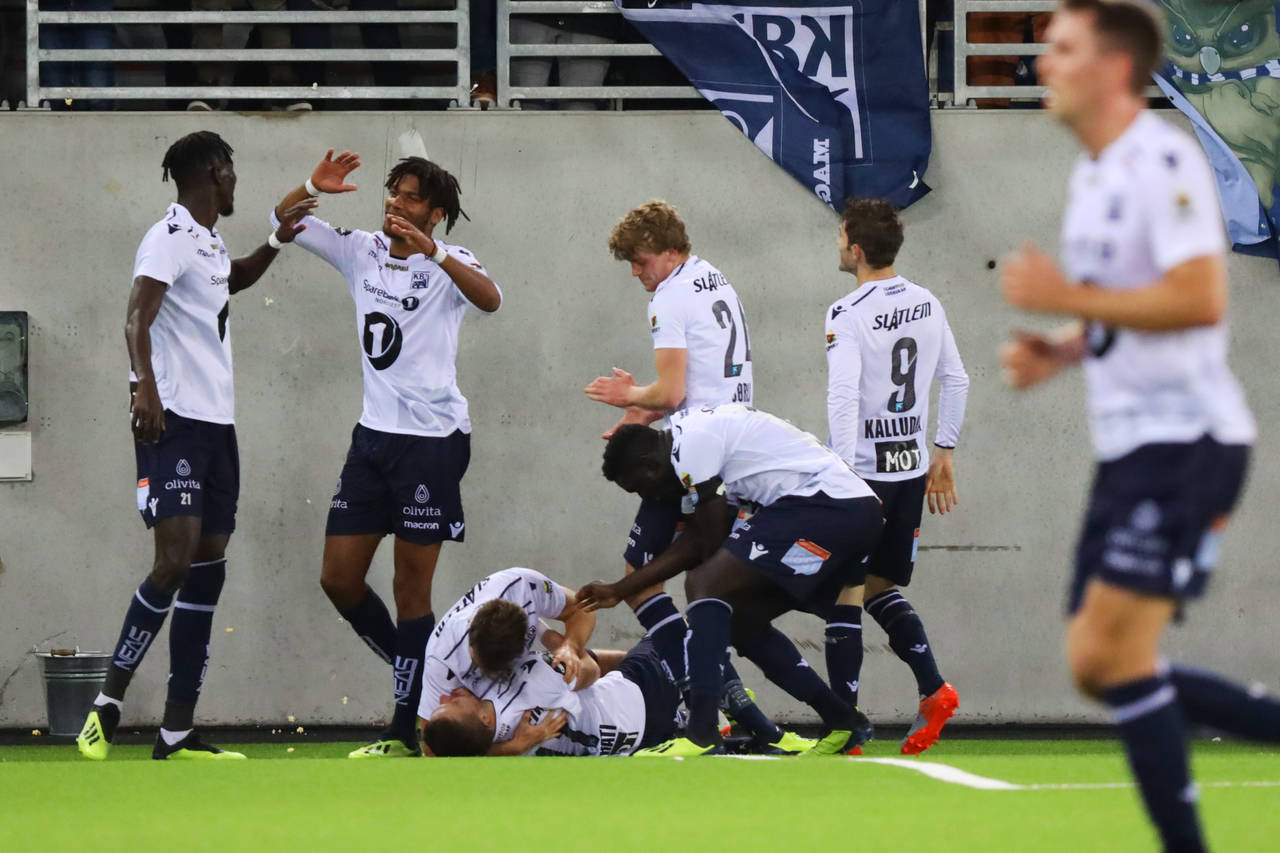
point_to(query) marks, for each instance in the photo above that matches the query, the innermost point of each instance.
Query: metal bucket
(72, 679)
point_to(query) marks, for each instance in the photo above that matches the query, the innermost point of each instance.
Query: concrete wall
(543, 191)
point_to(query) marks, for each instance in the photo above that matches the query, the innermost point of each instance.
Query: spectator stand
(576, 11)
(456, 95)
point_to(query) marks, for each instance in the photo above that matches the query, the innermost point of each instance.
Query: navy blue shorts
(810, 547)
(894, 558)
(193, 470)
(408, 485)
(653, 531)
(1156, 517)
(644, 668)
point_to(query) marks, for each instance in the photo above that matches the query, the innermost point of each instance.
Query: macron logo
(920, 649)
(455, 528)
(757, 551)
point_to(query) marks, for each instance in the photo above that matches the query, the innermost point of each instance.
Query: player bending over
(815, 523)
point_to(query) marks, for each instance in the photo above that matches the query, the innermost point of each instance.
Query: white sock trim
(104, 699)
(1148, 704)
(171, 738)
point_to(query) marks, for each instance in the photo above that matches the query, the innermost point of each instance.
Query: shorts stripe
(674, 617)
(848, 625)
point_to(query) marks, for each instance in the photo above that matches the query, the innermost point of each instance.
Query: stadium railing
(509, 97)
(964, 93)
(459, 55)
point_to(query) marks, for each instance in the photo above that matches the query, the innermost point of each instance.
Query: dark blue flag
(836, 95)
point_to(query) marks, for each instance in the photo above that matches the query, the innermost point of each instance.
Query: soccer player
(702, 357)
(412, 444)
(815, 523)
(886, 342)
(479, 640)
(178, 335)
(631, 707)
(1144, 270)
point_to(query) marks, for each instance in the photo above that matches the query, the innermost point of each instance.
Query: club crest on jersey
(422, 495)
(419, 280)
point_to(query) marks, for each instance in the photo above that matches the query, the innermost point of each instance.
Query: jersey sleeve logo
(831, 339)
(653, 323)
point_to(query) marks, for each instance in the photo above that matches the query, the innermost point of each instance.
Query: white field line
(956, 776)
(946, 773)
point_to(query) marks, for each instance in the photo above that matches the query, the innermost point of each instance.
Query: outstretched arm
(705, 532)
(1192, 293)
(246, 271)
(327, 177)
(662, 394)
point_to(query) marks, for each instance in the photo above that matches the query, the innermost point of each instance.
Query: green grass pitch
(314, 798)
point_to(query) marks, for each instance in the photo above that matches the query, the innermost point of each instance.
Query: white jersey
(886, 341)
(1147, 204)
(448, 664)
(191, 336)
(606, 718)
(697, 310)
(408, 312)
(758, 457)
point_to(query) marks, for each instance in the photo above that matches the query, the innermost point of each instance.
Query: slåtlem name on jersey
(893, 319)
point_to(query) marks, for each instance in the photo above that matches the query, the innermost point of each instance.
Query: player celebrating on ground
(183, 411)
(702, 356)
(412, 444)
(886, 341)
(815, 523)
(480, 638)
(632, 707)
(1142, 246)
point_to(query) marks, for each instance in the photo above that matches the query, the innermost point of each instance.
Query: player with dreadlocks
(179, 342)
(412, 444)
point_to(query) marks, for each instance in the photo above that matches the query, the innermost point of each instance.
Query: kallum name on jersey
(891, 427)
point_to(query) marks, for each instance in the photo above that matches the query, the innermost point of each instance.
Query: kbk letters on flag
(836, 95)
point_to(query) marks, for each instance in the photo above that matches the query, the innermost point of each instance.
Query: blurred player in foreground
(183, 411)
(1143, 250)
(412, 445)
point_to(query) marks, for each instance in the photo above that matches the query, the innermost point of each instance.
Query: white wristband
(311, 188)
(440, 254)
(274, 242)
